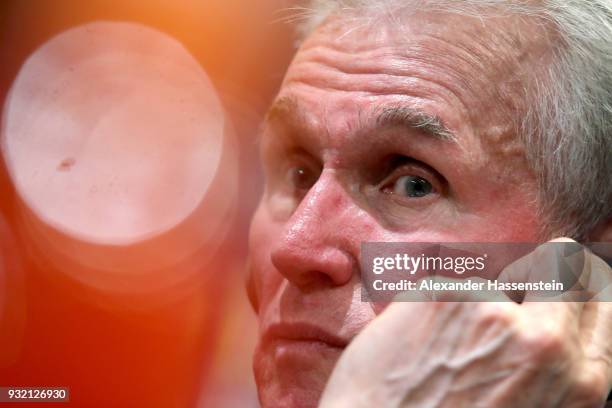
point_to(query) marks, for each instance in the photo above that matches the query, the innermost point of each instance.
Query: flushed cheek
(510, 219)
(263, 279)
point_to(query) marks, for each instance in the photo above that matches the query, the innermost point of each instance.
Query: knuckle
(495, 319)
(590, 388)
(496, 314)
(545, 344)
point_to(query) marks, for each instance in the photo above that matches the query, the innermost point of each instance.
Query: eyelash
(402, 166)
(310, 174)
(396, 168)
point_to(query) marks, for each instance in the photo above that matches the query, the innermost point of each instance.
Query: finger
(560, 261)
(596, 322)
(596, 278)
(555, 271)
(584, 309)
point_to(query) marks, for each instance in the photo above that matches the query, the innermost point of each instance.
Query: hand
(484, 354)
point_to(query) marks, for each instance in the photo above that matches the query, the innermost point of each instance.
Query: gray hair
(567, 130)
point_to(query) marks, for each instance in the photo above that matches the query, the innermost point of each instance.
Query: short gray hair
(567, 129)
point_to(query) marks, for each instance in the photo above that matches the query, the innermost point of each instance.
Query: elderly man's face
(380, 134)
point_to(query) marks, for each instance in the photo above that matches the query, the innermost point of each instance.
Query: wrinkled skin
(487, 354)
(336, 168)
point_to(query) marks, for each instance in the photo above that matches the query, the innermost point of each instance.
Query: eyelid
(412, 167)
(301, 157)
(298, 159)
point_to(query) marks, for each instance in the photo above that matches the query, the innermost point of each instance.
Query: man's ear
(603, 232)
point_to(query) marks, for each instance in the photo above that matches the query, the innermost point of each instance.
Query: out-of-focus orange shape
(113, 135)
(125, 171)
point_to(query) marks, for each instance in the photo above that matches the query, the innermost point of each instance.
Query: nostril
(319, 279)
(311, 281)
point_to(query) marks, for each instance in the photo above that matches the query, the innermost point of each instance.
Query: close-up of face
(306, 203)
(381, 134)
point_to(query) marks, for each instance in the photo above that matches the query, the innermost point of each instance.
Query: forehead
(469, 72)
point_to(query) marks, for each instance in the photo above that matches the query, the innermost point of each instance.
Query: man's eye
(301, 178)
(412, 186)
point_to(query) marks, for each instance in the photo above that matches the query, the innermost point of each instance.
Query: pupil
(416, 186)
(301, 178)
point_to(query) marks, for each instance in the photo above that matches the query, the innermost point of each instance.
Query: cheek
(263, 279)
(499, 225)
(507, 221)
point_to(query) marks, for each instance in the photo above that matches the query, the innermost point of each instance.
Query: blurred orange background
(138, 322)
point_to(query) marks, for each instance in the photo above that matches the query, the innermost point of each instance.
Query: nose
(316, 246)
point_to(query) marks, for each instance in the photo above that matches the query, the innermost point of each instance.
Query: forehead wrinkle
(495, 47)
(406, 70)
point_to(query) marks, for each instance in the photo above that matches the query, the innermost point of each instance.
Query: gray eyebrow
(417, 119)
(282, 108)
(286, 109)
